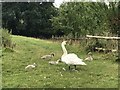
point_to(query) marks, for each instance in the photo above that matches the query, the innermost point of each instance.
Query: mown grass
(99, 73)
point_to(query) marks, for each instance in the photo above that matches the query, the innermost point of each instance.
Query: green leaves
(29, 19)
(44, 20)
(83, 18)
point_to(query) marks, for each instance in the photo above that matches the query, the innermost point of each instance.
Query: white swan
(70, 59)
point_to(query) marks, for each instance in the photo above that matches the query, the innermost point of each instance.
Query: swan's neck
(64, 50)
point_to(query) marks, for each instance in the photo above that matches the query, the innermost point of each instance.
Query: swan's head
(64, 42)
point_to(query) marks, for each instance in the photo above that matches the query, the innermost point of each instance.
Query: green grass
(99, 73)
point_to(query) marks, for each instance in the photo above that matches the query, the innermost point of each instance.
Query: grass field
(99, 73)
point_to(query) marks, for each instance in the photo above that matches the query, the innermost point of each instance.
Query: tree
(114, 17)
(81, 18)
(32, 20)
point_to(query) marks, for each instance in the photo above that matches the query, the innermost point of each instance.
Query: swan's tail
(81, 63)
(84, 63)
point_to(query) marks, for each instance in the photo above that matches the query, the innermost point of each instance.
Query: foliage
(32, 20)
(92, 44)
(44, 20)
(6, 38)
(114, 17)
(85, 18)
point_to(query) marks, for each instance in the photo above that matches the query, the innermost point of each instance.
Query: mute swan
(31, 66)
(70, 59)
(48, 56)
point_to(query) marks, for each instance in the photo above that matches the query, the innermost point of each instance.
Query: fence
(110, 43)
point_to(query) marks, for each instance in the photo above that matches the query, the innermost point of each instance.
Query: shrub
(93, 44)
(6, 38)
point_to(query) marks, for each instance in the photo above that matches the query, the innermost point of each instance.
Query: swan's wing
(72, 59)
(72, 55)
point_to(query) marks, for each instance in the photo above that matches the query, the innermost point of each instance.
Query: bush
(6, 38)
(93, 44)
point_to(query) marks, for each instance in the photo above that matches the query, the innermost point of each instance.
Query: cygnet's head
(34, 64)
(64, 42)
(89, 53)
(53, 54)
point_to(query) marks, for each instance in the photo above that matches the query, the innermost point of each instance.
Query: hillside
(99, 73)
